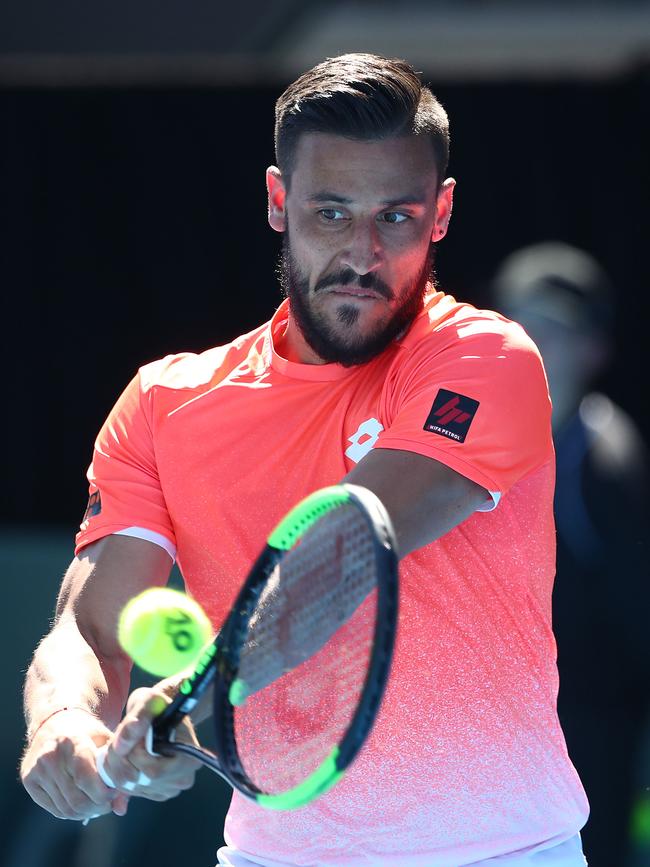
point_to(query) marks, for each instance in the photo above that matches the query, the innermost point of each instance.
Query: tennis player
(367, 372)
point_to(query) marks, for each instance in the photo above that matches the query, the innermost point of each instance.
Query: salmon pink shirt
(205, 453)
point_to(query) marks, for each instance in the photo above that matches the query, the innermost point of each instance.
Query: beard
(342, 345)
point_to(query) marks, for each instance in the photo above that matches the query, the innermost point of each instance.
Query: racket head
(306, 649)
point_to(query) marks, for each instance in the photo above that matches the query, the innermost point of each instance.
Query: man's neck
(292, 346)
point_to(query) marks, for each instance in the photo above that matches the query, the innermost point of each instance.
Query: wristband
(54, 713)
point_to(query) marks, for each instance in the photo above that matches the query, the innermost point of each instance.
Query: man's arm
(80, 666)
(424, 498)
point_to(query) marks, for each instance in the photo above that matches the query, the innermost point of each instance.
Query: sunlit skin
(368, 210)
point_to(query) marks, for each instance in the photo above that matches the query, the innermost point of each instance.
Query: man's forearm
(66, 672)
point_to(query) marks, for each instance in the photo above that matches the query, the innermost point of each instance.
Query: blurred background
(133, 144)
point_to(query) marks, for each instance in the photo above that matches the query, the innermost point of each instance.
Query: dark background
(133, 224)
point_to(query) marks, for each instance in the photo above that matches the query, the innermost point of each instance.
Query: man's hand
(80, 664)
(127, 758)
(59, 772)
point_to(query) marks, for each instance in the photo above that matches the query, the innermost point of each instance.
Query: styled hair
(363, 97)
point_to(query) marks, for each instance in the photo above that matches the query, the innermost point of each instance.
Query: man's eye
(394, 217)
(331, 214)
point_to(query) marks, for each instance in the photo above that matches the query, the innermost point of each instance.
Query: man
(565, 301)
(366, 373)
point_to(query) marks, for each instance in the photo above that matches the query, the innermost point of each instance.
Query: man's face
(359, 220)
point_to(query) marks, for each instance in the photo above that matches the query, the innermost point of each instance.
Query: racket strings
(316, 587)
(285, 731)
(307, 652)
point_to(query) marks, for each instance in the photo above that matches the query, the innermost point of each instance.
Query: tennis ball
(163, 630)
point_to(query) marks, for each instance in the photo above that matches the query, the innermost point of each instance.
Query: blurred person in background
(565, 301)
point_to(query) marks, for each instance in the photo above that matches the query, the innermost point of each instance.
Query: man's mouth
(355, 291)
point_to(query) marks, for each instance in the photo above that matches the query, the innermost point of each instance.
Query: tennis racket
(300, 665)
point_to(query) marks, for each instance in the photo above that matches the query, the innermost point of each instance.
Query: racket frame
(218, 664)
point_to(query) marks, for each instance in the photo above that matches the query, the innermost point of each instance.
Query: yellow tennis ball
(163, 630)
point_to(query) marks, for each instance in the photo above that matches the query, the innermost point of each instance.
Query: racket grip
(100, 762)
(100, 759)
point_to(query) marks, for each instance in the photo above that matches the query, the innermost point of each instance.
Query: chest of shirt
(233, 460)
(261, 433)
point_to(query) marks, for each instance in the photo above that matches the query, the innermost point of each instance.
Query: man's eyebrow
(411, 199)
(326, 196)
(419, 198)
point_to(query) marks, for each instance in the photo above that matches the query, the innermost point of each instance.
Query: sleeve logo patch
(94, 506)
(451, 415)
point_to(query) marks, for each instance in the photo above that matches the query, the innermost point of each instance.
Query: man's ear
(277, 199)
(444, 205)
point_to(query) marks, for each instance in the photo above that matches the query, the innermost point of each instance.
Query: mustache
(348, 277)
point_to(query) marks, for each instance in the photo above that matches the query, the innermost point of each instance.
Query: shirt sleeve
(474, 397)
(125, 490)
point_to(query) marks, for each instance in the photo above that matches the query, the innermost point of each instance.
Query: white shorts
(567, 854)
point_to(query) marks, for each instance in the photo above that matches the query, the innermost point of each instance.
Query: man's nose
(363, 252)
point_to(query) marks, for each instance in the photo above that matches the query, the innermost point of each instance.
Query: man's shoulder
(196, 371)
(445, 322)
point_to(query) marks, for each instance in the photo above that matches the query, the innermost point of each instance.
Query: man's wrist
(33, 730)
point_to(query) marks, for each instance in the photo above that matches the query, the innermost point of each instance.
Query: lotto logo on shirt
(451, 415)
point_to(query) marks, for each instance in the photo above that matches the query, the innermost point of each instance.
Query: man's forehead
(399, 165)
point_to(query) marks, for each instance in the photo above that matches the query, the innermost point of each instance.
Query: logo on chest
(363, 439)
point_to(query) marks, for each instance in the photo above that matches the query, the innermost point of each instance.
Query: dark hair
(359, 96)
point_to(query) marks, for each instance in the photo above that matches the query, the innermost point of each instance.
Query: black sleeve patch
(451, 415)
(94, 506)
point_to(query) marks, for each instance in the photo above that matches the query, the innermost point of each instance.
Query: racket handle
(100, 764)
(100, 759)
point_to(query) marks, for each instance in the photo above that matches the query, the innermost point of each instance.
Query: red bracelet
(54, 713)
